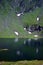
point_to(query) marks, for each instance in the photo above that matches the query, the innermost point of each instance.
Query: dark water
(21, 49)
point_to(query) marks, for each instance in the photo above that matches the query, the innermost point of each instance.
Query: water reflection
(18, 52)
(20, 49)
(37, 50)
(3, 49)
(35, 38)
(16, 40)
(27, 42)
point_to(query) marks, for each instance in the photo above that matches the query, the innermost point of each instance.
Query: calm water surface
(21, 49)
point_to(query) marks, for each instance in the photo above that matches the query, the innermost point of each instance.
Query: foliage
(25, 62)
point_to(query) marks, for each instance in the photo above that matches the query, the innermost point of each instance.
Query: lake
(13, 49)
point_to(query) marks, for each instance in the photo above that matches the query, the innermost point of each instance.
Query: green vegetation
(33, 62)
(10, 23)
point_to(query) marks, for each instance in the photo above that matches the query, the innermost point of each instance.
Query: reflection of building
(27, 42)
(16, 40)
(18, 52)
(37, 50)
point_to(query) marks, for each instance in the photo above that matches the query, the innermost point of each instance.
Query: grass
(10, 23)
(30, 18)
(25, 62)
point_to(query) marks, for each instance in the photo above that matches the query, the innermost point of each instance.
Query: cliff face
(20, 5)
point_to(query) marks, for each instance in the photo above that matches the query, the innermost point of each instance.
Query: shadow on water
(21, 49)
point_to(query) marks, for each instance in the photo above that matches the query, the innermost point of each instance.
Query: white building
(19, 14)
(24, 28)
(35, 35)
(16, 33)
(37, 18)
(29, 32)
